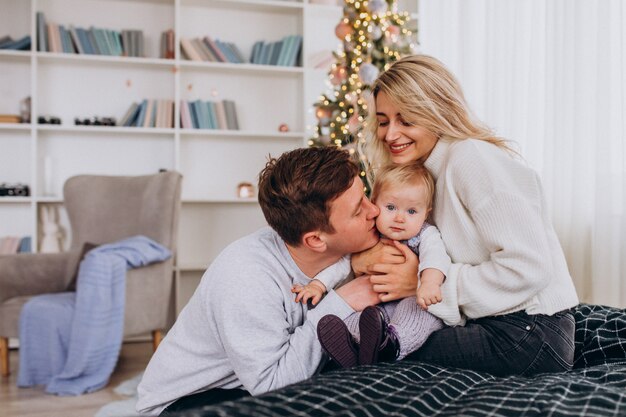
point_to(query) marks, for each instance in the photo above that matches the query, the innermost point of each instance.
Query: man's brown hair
(295, 190)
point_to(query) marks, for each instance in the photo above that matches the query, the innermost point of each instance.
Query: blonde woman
(508, 292)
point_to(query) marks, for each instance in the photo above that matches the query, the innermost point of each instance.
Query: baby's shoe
(379, 342)
(337, 341)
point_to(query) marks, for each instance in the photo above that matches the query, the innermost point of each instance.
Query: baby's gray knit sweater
(241, 328)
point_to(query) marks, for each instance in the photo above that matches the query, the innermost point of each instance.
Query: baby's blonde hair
(427, 95)
(413, 173)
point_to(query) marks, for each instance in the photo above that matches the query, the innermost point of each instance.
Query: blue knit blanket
(70, 342)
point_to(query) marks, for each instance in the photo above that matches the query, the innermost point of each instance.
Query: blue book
(194, 115)
(66, 42)
(205, 118)
(85, 41)
(284, 51)
(42, 33)
(224, 49)
(294, 52)
(22, 44)
(25, 245)
(199, 117)
(212, 115)
(257, 51)
(78, 47)
(142, 113)
(92, 40)
(278, 46)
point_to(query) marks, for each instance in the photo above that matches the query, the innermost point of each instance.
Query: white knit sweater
(494, 221)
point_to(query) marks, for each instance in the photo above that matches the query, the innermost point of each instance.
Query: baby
(404, 194)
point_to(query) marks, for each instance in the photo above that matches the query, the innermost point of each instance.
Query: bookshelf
(212, 162)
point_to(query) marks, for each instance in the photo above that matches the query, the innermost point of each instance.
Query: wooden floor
(34, 402)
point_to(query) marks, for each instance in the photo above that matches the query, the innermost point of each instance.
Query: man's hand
(396, 281)
(313, 291)
(358, 293)
(384, 252)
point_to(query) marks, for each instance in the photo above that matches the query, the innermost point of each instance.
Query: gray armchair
(102, 209)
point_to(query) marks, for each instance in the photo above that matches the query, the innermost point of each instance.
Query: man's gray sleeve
(264, 333)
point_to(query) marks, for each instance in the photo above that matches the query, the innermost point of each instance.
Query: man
(242, 332)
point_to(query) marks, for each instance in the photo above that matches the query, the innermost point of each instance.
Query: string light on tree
(373, 35)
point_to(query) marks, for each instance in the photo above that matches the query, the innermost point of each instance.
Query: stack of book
(13, 244)
(22, 44)
(207, 49)
(149, 113)
(208, 115)
(52, 37)
(284, 53)
(10, 118)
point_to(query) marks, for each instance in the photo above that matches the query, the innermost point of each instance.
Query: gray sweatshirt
(241, 328)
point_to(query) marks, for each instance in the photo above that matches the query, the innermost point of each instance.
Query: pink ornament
(338, 75)
(283, 127)
(342, 30)
(393, 30)
(323, 113)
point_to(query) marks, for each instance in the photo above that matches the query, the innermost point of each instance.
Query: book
(284, 51)
(210, 105)
(22, 44)
(10, 118)
(203, 50)
(194, 115)
(215, 49)
(189, 50)
(142, 113)
(255, 52)
(129, 113)
(52, 39)
(185, 115)
(25, 245)
(278, 46)
(42, 33)
(140, 42)
(5, 40)
(220, 114)
(237, 52)
(85, 41)
(92, 41)
(223, 47)
(231, 115)
(76, 40)
(147, 121)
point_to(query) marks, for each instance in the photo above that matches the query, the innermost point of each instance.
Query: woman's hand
(394, 281)
(384, 252)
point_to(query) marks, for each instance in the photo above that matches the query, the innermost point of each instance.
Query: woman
(508, 293)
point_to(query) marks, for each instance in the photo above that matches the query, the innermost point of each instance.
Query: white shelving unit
(212, 162)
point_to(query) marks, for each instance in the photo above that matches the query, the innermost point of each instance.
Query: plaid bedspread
(596, 386)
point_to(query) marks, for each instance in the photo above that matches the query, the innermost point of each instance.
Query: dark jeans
(200, 399)
(513, 344)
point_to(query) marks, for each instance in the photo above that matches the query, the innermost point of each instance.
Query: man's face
(353, 218)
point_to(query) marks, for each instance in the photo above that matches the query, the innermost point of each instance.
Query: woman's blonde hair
(427, 95)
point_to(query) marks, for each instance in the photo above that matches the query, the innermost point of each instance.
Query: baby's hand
(428, 293)
(308, 292)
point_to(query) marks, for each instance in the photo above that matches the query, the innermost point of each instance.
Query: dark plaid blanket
(596, 386)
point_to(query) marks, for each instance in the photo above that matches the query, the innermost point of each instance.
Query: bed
(595, 387)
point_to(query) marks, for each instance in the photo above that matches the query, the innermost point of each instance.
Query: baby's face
(403, 211)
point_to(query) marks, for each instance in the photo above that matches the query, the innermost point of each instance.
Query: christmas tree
(373, 35)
